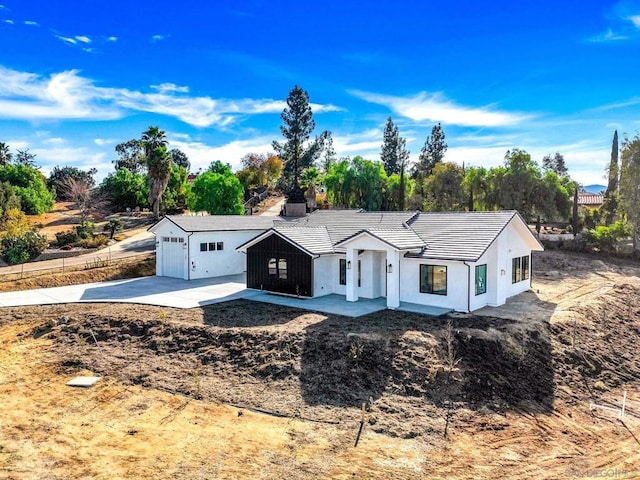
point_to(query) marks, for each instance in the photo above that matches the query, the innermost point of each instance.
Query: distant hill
(595, 188)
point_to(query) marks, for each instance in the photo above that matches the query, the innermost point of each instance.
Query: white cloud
(10, 22)
(158, 38)
(101, 142)
(83, 38)
(201, 155)
(70, 40)
(112, 39)
(31, 23)
(3, 7)
(65, 95)
(635, 19)
(170, 87)
(435, 107)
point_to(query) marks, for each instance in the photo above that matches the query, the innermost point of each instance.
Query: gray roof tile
(215, 223)
(459, 235)
(315, 240)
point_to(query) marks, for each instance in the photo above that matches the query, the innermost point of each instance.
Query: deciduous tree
(555, 164)
(217, 194)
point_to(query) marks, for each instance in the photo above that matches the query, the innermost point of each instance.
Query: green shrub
(93, 242)
(85, 230)
(66, 238)
(23, 248)
(606, 239)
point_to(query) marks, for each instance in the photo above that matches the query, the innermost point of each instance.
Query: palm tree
(158, 161)
(5, 154)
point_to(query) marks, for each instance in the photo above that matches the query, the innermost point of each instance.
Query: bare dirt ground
(182, 389)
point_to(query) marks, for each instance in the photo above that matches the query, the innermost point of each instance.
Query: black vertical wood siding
(299, 279)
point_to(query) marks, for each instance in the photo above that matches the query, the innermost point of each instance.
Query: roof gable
(217, 223)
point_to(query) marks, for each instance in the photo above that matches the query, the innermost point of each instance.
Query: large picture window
(481, 279)
(433, 279)
(343, 271)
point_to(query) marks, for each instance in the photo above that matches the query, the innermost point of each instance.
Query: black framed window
(433, 279)
(343, 271)
(273, 266)
(481, 279)
(282, 268)
(220, 246)
(520, 269)
(203, 247)
(515, 270)
(212, 246)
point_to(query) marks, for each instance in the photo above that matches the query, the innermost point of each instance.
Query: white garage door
(173, 257)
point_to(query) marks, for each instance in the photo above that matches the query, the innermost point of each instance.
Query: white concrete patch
(84, 382)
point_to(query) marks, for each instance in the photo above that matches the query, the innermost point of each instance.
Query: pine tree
(395, 156)
(432, 152)
(297, 152)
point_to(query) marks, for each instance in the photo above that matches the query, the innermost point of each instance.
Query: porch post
(393, 278)
(352, 275)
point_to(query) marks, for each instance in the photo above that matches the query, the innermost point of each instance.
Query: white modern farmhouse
(462, 261)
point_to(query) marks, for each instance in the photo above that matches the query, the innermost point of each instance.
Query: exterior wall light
(390, 268)
(349, 265)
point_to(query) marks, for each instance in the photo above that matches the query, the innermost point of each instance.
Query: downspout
(468, 285)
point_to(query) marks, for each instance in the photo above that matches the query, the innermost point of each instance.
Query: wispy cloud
(617, 105)
(10, 22)
(69, 40)
(83, 39)
(635, 19)
(158, 38)
(31, 23)
(608, 36)
(112, 39)
(67, 95)
(170, 87)
(435, 107)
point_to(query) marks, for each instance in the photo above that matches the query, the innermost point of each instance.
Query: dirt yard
(249, 390)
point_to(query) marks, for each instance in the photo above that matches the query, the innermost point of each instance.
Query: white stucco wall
(457, 286)
(516, 248)
(326, 275)
(218, 263)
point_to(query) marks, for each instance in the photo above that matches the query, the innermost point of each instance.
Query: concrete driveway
(162, 291)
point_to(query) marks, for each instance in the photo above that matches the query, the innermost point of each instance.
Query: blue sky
(76, 78)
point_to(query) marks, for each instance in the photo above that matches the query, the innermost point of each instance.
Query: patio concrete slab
(423, 309)
(161, 291)
(333, 304)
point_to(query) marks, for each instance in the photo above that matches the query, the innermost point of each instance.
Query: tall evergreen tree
(395, 156)
(630, 184)
(297, 151)
(389, 149)
(432, 152)
(611, 193)
(614, 169)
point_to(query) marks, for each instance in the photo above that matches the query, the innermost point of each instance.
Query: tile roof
(459, 235)
(403, 238)
(342, 224)
(213, 223)
(314, 240)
